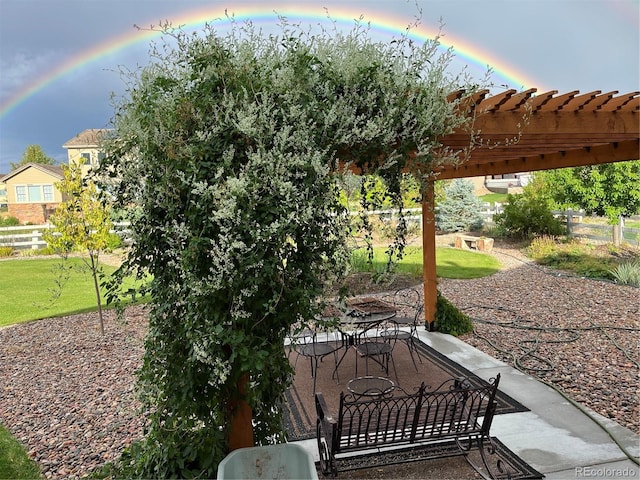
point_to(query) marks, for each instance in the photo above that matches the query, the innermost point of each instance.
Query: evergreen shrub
(460, 209)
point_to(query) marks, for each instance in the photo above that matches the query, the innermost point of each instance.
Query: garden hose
(544, 365)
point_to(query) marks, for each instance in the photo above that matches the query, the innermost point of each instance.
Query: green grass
(14, 461)
(450, 262)
(30, 285)
(632, 224)
(494, 197)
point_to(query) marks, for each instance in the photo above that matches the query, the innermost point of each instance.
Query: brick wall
(36, 213)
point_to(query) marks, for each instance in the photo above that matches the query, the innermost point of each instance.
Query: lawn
(494, 197)
(450, 262)
(14, 461)
(29, 289)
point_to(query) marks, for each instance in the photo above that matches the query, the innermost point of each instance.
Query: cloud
(22, 68)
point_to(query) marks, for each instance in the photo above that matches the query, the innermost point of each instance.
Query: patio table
(370, 386)
(361, 316)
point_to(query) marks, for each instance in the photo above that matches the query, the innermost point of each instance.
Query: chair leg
(393, 363)
(415, 349)
(409, 342)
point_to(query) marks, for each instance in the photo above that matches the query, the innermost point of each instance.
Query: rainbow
(387, 24)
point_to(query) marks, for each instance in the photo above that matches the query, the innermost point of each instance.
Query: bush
(451, 320)
(526, 216)
(9, 222)
(460, 209)
(627, 273)
(6, 251)
(542, 247)
(113, 241)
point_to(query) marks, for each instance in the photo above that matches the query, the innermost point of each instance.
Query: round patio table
(370, 386)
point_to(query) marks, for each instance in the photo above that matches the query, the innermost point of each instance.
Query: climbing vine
(225, 150)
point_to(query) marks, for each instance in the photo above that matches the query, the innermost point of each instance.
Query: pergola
(520, 132)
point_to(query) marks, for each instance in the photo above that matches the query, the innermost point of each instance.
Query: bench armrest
(325, 418)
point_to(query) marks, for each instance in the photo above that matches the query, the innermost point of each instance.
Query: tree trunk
(241, 432)
(94, 272)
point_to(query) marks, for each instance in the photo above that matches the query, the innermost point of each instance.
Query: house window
(21, 193)
(87, 158)
(34, 193)
(47, 191)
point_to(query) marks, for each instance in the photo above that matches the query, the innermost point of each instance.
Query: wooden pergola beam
(561, 157)
(519, 132)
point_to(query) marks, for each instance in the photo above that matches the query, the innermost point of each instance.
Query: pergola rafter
(520, 132)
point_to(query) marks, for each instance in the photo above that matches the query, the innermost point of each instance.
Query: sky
(61, 61)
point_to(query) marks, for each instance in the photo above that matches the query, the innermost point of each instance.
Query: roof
(88, 138)
(53, 170)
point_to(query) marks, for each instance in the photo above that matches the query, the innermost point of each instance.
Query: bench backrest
(378, 421)
(454, 409)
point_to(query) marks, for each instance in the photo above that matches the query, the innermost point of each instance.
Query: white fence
(615, 234)
(30, 237)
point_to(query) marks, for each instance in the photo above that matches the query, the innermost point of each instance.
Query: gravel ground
(66, 392)
(582, 336)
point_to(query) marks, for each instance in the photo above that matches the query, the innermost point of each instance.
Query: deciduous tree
(610, 190)
(33, 154)
(81, 223)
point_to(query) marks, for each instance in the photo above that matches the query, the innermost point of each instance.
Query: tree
(226, 147)
(81, 222)
(610, 189)
(459, 211)
(33, 154)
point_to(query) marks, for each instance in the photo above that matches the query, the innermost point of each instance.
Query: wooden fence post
(569, 221)
(34, 239)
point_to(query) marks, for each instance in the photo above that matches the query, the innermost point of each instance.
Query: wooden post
(241, 432)
(429, 255)
(569, 221)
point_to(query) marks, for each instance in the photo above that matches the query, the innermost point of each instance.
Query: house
(31, 192)
(3, 193)
(86, 145)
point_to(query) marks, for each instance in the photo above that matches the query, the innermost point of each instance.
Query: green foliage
(449, 319)
(225, 146)
(572, 256)
(610, 189)
(9, 222)
(525, 216)
(33, 154)
(377, 193)
(113, 241)
(14, 460)
(542, 247)
(6, 251)
(627, 273)
(460, 209)
(81, 222)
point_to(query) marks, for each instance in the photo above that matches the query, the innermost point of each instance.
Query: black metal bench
(456, 410)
